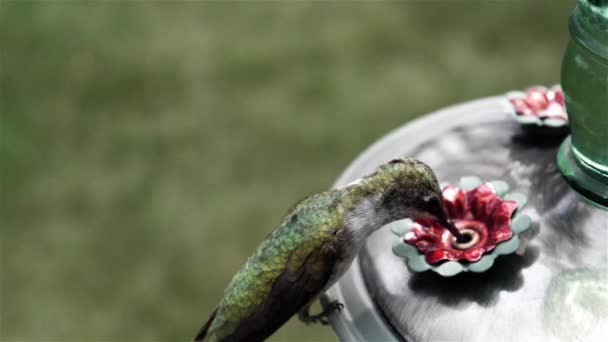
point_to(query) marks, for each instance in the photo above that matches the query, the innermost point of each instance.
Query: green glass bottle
(583, 157)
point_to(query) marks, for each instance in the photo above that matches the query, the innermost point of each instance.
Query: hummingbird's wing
(294, 288)
(290, 292)
(288, 270)
(203, 331)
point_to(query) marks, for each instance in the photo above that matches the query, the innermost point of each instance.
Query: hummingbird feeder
(480, 288)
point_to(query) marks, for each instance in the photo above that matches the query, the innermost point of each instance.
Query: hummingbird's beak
(447, 223)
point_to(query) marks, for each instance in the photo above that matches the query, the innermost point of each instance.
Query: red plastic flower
(479, 214)
(540, 102)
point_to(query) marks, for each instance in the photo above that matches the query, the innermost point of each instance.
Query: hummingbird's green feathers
(314, 245)
(292, 264)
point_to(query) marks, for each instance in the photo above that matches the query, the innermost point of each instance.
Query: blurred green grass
(148, 147)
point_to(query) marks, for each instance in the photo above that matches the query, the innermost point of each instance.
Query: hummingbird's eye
(432, 201)
(427, 198)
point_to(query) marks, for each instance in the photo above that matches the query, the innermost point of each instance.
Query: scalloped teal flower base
(416, 261)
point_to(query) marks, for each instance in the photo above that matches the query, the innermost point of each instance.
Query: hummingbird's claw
(337, 306)
(321, 318)
(322, 321)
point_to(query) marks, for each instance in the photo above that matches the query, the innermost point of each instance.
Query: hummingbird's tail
(203, 332)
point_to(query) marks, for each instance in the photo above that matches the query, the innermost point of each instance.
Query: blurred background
(148, 147)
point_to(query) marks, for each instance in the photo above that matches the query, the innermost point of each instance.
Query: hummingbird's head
(408, 188)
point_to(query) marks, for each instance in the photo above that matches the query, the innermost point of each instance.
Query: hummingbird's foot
(334, 306)
(321, 318)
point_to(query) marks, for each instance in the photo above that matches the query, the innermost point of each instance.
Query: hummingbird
(313, 246)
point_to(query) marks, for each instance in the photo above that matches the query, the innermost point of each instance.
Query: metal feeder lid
(558, 290)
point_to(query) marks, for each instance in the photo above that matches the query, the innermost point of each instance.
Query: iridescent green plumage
(311, 223)
(313, 245)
